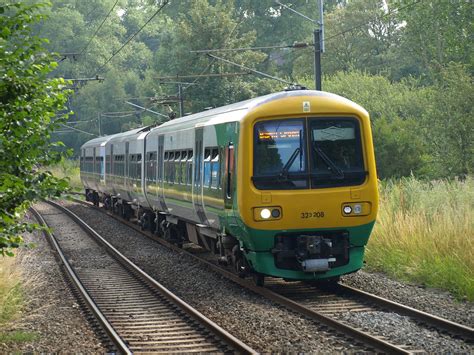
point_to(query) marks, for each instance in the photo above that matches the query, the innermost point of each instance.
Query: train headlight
(265, 213)
(276, 213)
(356, 209)
(270, 213)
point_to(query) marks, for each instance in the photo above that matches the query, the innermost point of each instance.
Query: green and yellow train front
(307, 187)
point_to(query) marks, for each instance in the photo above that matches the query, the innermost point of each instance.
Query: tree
(209, 26)
(359, 35)
(29, 105)
(395, 110)
(434, 34)
(449, 124)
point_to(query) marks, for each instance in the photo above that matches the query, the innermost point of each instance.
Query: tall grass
(425, 233)
(69, 169)
(11, 298)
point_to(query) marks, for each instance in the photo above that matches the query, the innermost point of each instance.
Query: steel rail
(357, 334)
(451, 327)
(114, 337)
(447, 325)
(235, 343)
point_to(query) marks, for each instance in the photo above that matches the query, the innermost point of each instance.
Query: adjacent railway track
(326, 305)
(138, 314)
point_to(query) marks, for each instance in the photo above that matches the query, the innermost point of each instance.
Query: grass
(11, 302)
(68, 169)
(425, 234)
(11, 298)
(18, 336)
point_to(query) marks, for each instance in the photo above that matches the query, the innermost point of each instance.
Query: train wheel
(95, 199)
(107, 203)
(238, 261)
(258, 279)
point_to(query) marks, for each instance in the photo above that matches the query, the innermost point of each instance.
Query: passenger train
(282, 185)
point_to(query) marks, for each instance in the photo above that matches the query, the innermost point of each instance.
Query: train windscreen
(304, 153)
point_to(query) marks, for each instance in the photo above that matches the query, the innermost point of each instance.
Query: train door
(126, 170)
(197, 183)
(160, 176)
(112, 168)
(102, 165)
(229, 175)
(95, 173)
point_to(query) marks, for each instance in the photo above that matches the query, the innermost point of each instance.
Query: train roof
(229, 113)
(119, 137)
(101, 141)
(237, 111)
(96, 142)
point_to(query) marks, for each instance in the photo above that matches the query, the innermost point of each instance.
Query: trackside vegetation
(12, 301)
(31, 108)
(425, 233)
(11, 297)
(68, 169)
(408, 63)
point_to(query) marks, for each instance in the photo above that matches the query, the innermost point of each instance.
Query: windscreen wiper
(331, 165)
(289, 163)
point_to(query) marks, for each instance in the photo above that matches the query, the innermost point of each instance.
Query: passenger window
(189, 167)
(138, 167)
(182, 173)
(215, 176)
(207, 167)
(177, 169)
(171, 168)
(166, 167)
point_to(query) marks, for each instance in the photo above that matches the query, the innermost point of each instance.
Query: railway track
(328, 305)
(138, 314)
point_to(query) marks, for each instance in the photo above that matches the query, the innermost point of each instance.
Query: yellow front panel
(308, 208)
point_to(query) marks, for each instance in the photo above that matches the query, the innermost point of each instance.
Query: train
(282, 185)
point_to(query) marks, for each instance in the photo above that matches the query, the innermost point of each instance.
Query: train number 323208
(315, 214)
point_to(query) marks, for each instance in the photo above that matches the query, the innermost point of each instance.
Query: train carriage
(92, 160)
(282, 185)
(125, 152)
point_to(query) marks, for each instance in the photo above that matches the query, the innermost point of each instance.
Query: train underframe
(303, 254)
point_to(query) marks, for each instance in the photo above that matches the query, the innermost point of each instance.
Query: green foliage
(11, 292)
(218, 28)
(426, 131)
(424, 233)
(18, 337)
(68, 169)
(395, 110)
(408, 63)
(29, 103)
(435, 34)
(448, 123)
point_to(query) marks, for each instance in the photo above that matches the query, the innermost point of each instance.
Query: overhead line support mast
(318, 35)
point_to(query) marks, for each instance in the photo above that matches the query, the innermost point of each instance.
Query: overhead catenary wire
(78, 130)
(112, 113)
(301, 45)
(252, 70)
(70, 122)
(98, 28)
(133, 36)
(121, 116)
(294, 45)
(213, 61)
